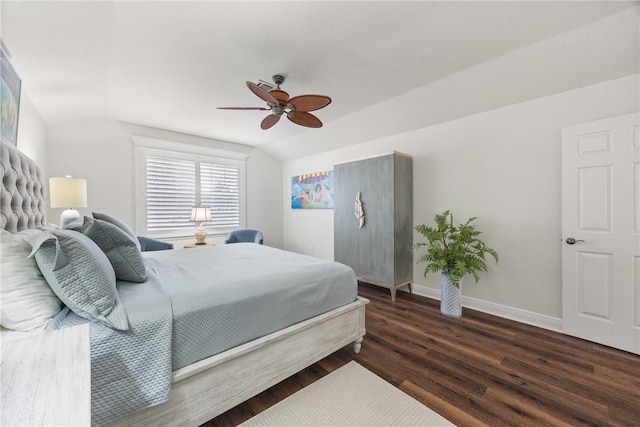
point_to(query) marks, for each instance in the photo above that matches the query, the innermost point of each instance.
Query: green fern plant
(453, 250)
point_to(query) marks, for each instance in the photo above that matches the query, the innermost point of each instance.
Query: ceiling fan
(278, 102)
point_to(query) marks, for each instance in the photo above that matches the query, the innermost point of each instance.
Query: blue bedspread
(227, 295)
(130, 370)
(197, 303)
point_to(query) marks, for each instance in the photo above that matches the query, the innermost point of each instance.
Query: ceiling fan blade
(310, 102)
(262, 94)
(304, 119)
(242, 108)
(269, 121)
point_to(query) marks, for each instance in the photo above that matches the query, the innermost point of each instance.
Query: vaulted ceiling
(169, 64)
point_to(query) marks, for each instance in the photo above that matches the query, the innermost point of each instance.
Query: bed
(212, 354)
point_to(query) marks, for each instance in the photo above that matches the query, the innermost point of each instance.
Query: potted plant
(453, 251)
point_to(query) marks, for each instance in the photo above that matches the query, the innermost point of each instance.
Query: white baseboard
(524, 316)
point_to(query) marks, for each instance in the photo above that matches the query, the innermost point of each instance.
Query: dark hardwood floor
(480, 369)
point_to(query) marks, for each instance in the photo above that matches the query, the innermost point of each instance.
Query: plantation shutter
(174, 186)
(220, 190)
(171, 193)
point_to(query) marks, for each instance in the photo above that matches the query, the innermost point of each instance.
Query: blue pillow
(118, 246)
(80, 275)
(115, 221)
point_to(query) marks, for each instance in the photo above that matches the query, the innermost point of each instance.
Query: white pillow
(27, 303)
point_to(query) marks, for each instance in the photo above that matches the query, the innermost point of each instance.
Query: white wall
(102, 152)
(502, 166)
(264, 195)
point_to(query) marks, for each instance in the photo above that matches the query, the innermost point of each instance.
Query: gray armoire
(380, 251)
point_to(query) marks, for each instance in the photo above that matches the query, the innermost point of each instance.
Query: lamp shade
(67, 192)
(201, 214)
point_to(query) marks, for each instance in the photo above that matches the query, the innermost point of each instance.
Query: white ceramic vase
(450, 304)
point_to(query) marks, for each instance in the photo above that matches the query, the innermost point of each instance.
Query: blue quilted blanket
(130, 370)
(197, 303)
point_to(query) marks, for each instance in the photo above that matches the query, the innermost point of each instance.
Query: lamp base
(200, 235)
(67, 216)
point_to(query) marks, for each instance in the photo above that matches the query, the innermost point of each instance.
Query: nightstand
(46, 377)
(193, 245)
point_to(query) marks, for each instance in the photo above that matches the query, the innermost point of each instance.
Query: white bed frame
(207, 388)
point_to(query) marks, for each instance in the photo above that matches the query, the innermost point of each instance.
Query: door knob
(572, 241)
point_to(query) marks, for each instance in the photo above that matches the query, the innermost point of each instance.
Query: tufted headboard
(22, 196)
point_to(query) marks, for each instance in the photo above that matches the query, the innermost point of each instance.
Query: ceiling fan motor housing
(279, 94)
(278, 79)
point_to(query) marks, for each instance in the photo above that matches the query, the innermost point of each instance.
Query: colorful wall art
(9, 100)
(312, 191)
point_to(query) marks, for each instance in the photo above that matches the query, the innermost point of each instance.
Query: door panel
(592, 143)
(636, 286)
(594, 198)
(636, 197)
(594, 284)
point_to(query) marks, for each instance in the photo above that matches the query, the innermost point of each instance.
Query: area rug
(349, 396)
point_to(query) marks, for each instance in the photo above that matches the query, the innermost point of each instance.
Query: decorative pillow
(115, 221)
(27, 303)
(80, 274)
(118, 246)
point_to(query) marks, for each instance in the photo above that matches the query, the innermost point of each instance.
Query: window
(171, 183)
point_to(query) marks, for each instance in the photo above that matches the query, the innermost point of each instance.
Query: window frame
(144, 147)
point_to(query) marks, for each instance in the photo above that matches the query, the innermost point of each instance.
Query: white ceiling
(169, 64)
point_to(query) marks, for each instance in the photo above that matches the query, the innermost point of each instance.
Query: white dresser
(46, 378)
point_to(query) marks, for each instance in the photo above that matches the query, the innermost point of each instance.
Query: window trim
(144, 147)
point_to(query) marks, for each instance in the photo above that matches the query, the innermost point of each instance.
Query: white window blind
(175, 185)
(220, 190)
(171, 193)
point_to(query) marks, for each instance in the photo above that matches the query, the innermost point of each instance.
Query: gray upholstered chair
(238, 236)
(149, 244)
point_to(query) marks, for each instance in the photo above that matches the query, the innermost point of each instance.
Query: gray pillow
(80, 275)
(115, 221)
(118, 246)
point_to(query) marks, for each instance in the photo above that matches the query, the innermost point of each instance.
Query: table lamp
(67, 192)
(200, 215)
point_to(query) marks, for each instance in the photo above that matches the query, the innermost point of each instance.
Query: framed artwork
(9, 101)
(312, 191)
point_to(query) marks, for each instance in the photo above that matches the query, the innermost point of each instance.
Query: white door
(601, 231)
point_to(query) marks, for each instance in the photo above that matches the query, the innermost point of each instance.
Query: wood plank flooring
(480, 369)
